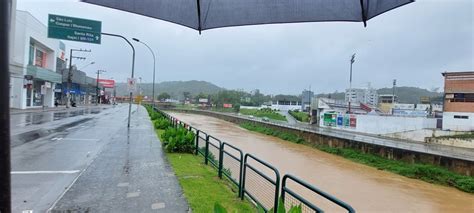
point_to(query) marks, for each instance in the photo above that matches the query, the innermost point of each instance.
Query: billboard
(107, 83)
(353, 121)
(227, 105)
(203, 100)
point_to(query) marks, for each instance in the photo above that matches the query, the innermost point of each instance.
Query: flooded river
(364, 188)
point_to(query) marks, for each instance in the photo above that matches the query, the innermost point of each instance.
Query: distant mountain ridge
(174, 88)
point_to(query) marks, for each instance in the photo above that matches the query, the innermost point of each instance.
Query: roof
(457, 73)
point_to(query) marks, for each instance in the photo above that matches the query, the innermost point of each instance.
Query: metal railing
(255, 179)
(213, 149)
(292, 198)
(264, 187)
(231, 164)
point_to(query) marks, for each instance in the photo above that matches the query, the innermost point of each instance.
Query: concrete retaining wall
(466, 143)
(460, 166)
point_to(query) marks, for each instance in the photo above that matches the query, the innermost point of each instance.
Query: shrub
(178, 140)
(162, 123)
(155, 115)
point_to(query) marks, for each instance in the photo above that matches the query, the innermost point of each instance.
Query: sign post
(74, 29)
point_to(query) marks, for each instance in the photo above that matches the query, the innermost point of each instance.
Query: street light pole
(133, 71)
(154, 64)
(393, 94)
(350, 82)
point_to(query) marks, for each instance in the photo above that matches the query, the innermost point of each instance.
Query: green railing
(255, 179)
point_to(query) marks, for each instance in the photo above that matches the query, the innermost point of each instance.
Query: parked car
(265, 119)
(251, 116)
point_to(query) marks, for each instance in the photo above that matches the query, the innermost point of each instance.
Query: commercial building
(387, 102)
(285, 105)
(367, 96)
(83, 89)
(458, 113)
(388, 98)
(33, 76)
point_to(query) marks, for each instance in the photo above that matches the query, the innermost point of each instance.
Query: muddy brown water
(364, 188)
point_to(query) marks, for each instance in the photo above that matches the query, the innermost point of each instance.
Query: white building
(284, 105)
(458, 113)
(359, 95)
(33, 64)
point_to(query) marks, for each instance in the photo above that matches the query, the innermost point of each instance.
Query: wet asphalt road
(42, 169)
(82, 166)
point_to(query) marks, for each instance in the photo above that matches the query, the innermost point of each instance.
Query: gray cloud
(413, 44)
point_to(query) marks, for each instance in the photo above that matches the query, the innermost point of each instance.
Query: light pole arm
(133, 71)
(154, 64)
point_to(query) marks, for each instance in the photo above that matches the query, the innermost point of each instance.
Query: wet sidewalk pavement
(131, 174)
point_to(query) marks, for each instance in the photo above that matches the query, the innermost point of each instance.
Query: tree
(186, 95)
(227, 97)
(200, 96)
(163, 96)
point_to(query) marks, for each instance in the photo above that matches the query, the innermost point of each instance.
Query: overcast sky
(412, 44)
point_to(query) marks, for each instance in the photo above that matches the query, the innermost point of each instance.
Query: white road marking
(80, 139)
(56, 139)
(44, 172)
(157, 205)
(133, 194)
(27, 211)
(123, 184)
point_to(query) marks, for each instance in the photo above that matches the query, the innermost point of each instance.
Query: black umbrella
(209, 14)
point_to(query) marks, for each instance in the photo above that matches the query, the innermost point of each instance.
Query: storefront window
(40, 59)
(32, 54)
(37, 97)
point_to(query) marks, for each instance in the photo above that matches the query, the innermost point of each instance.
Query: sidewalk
(131, 174)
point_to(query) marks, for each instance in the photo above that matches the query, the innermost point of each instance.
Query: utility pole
(97, 89)
(350, 82)
(69, 76)
(393, 93)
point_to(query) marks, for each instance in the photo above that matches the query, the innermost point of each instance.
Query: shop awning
(43, 74)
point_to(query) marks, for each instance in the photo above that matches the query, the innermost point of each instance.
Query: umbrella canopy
(209, 14)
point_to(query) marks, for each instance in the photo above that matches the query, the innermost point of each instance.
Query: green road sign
(74, 29)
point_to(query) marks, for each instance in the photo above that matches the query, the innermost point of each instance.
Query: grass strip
(467, 136)
(426, 172)
(266, 112)
(300, 116)
(201, 185)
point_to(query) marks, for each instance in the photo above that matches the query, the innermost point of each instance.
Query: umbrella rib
(364, 16)
(199, 14)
